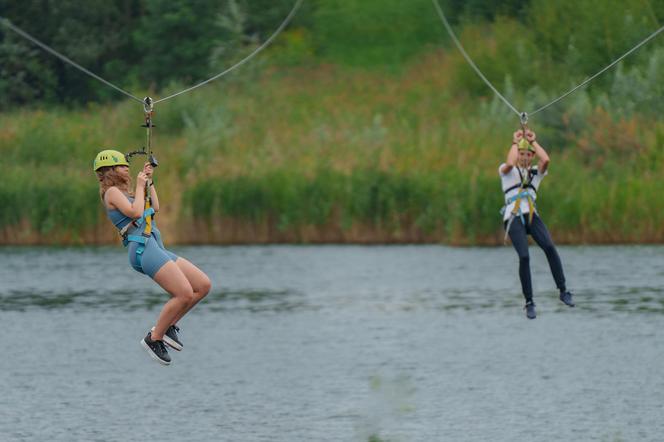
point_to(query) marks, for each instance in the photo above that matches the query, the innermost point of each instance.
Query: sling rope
(148, 109)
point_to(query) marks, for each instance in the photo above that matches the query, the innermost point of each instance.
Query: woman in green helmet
(132, 216)
(520, 182)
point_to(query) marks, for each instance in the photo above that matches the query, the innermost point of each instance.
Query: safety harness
(523, 189)
(522, 193)
(140, 235)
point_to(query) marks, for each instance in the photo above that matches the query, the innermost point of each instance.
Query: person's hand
(530, 136)
(141, 179)
(147, 170)
(517, 136)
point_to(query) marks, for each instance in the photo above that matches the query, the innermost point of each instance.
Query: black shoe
(530, 310)
(156, 349)
(172, 339)
(566, 298)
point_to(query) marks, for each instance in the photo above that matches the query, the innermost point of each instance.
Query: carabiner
(148, 105)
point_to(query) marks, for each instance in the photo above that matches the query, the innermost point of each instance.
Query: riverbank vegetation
(346, 132)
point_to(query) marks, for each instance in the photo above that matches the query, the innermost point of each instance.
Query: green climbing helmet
(109, 157)
(525, 145)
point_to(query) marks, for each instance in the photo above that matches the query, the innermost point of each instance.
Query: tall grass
(435, 204)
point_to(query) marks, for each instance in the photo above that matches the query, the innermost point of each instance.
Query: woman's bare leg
(199, 282)
(171, 279)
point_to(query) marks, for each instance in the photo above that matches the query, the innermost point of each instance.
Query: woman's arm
(115, 199)
(541, 154)
(512, 155)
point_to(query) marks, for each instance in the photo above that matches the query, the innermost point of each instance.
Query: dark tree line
(149, 44)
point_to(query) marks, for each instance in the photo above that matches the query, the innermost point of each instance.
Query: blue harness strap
(148, 212)
(140, 239)
(513, 199)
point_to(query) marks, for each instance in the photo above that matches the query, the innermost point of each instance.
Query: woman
(186, 283)
(520, 182)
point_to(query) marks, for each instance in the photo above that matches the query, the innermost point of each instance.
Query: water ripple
(250, 300)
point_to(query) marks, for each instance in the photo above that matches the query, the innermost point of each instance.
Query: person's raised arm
(115, 199)
(512, 155)
(540, 153)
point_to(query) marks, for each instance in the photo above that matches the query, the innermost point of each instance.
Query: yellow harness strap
(148, 221)
(517, 208)
(516, 211)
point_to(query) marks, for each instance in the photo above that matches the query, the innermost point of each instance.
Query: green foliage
(153, 44)
(366, 33)
(640, 90)
(62, 204)
(432, 202)
(585, 35)
(351, 119)
(21, 68)
(176, 39)
(97, 36)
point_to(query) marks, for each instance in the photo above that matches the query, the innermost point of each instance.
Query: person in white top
(520, 182)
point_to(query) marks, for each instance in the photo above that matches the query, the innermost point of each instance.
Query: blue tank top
(119, 219)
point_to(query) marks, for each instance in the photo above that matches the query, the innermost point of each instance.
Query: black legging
(518, 234)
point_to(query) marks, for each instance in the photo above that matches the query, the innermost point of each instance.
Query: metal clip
(148, 105)
(148, 108)
(153, 160)
(524, 118)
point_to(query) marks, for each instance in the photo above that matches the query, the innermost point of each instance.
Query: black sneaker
(172, 339)
(566, 298)
(156, 349)
(530, 310)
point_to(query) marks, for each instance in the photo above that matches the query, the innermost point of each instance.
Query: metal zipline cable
(22, 33)
(50, 50)
(524, 115)
(589, 79)
(244, 60)
(456, 41)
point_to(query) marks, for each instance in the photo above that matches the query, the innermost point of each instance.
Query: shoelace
(161, 347)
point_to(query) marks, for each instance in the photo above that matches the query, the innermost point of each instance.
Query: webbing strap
(136, 223)
(517, 208)
(148, 218)
(137, 238)
(518, 186)
(139, 255)
(518, 196)
(147, 213)
(142, 241)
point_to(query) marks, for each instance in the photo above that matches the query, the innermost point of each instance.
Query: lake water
(335, 343)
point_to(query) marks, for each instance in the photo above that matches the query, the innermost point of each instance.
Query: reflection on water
(250, 300)
(633, 300)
